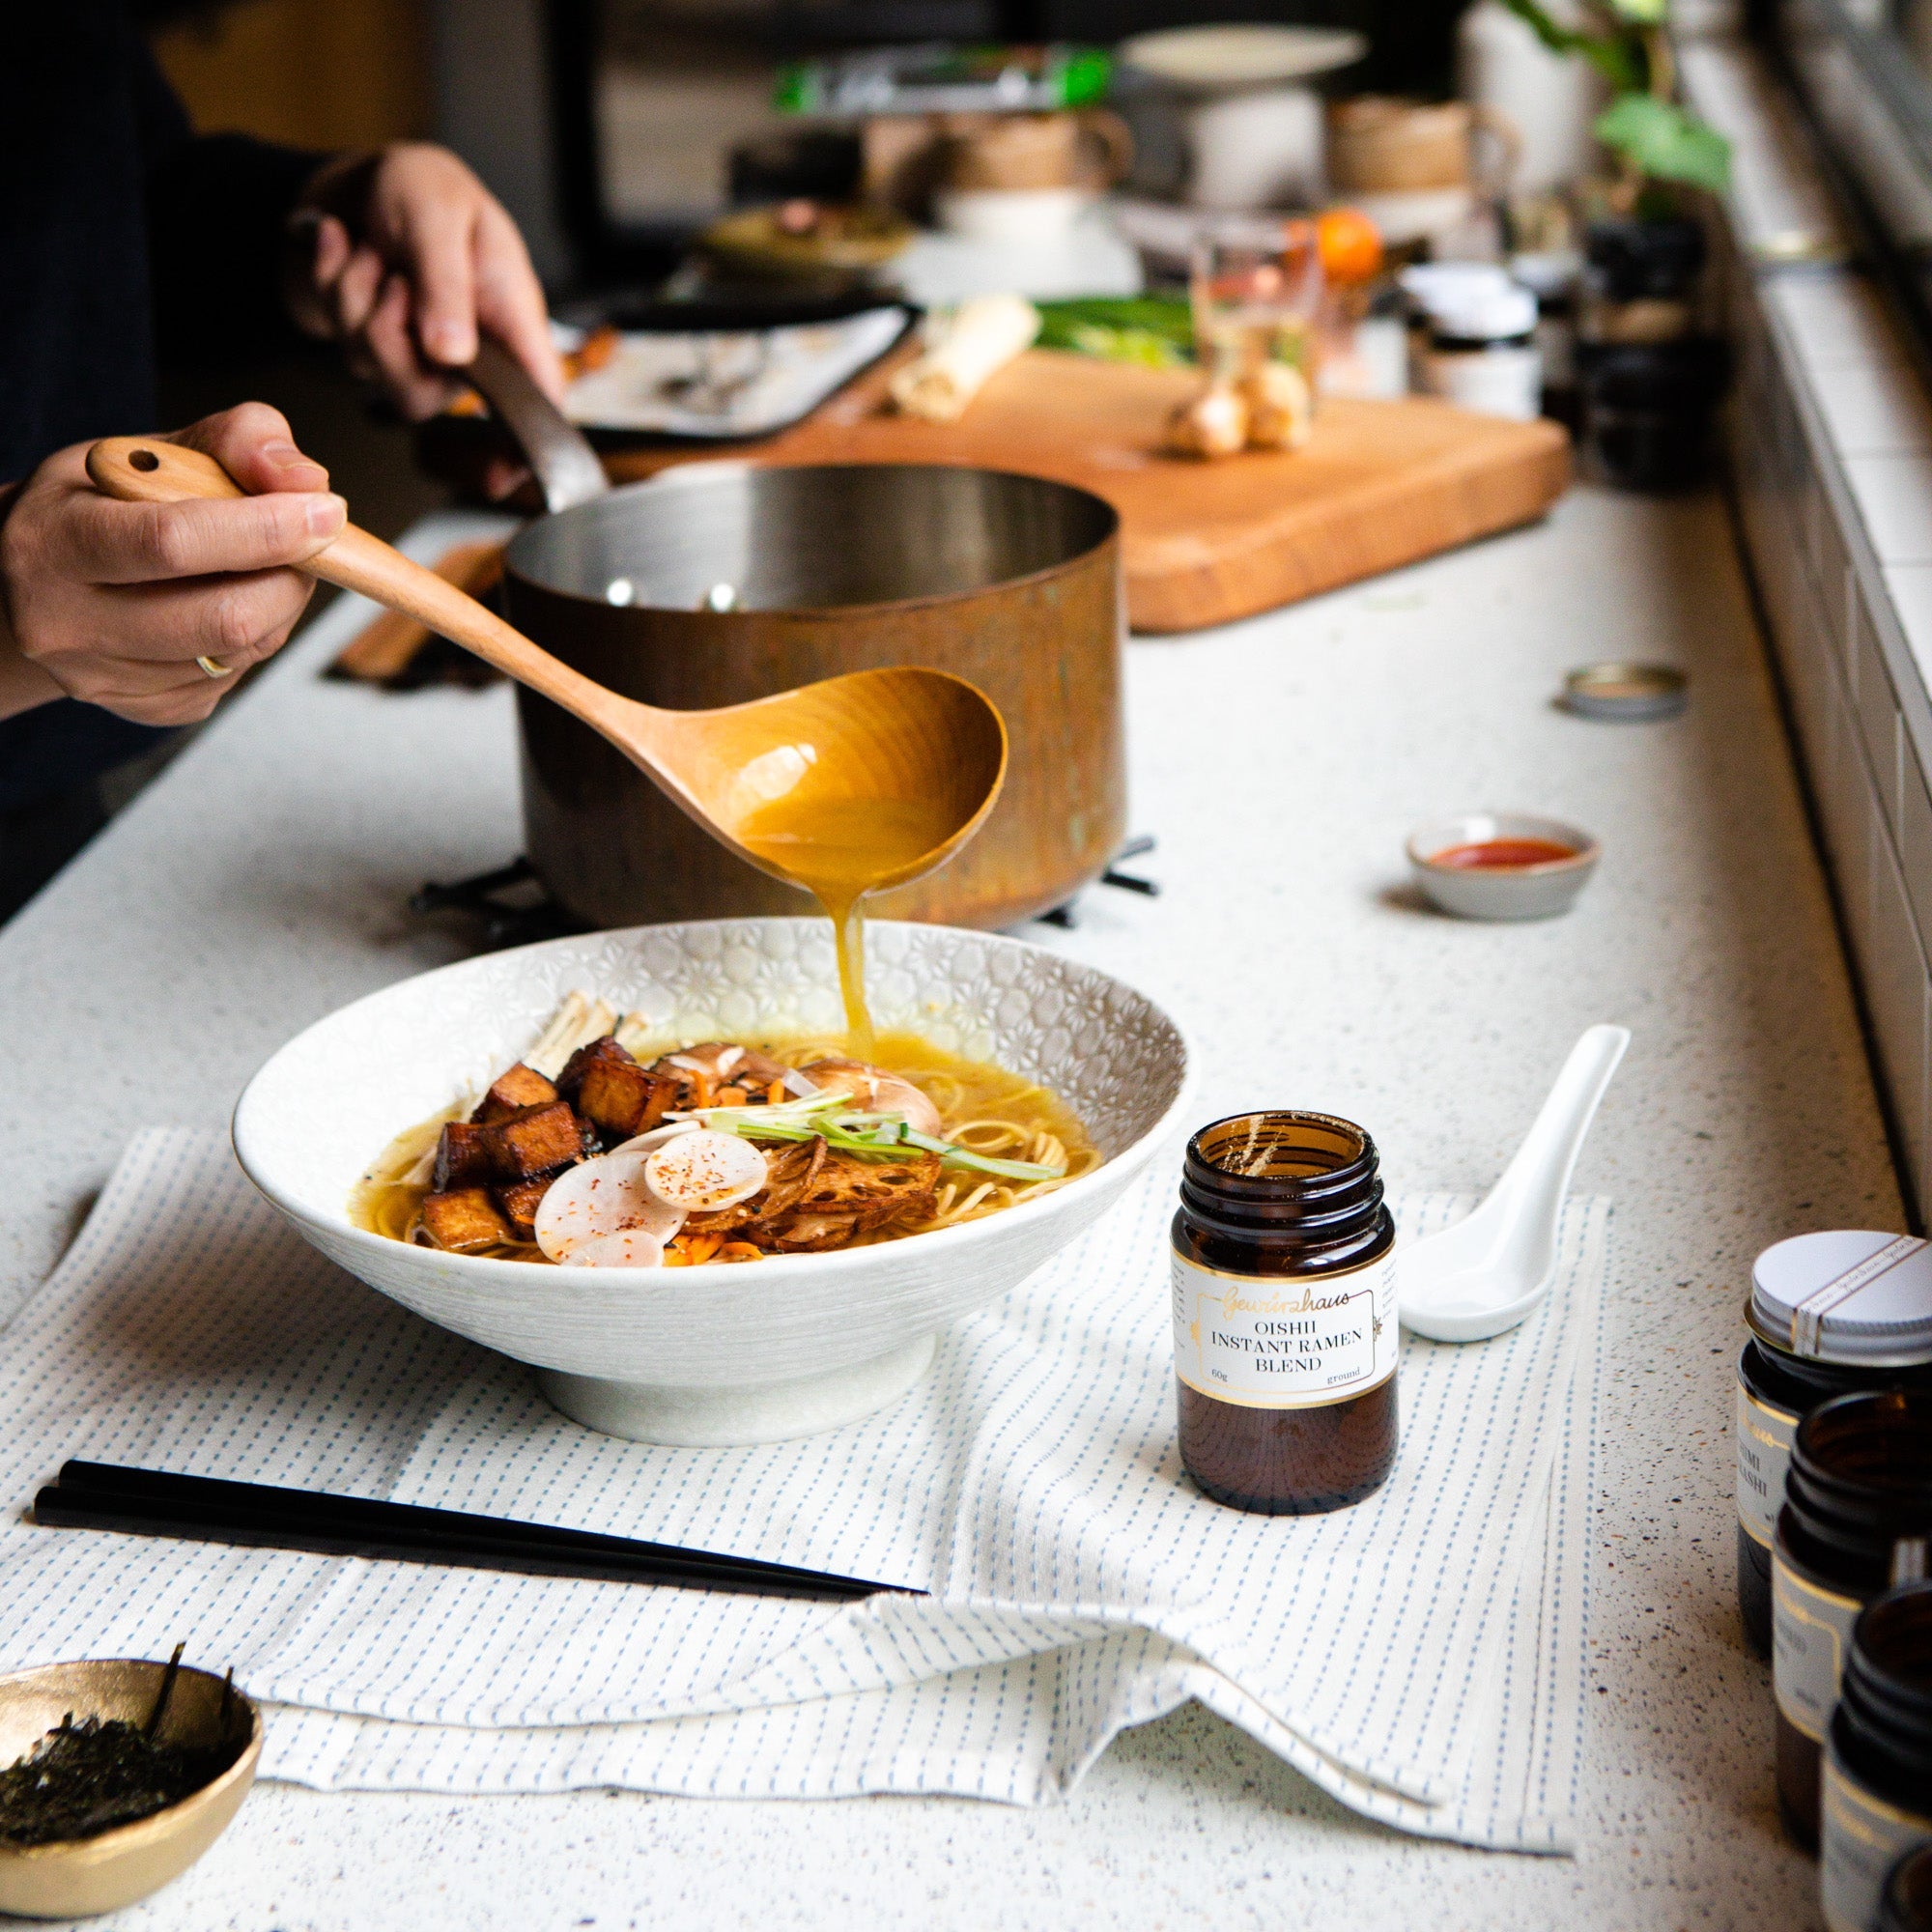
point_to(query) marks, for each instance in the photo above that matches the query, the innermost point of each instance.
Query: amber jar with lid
(1877, 1802)
(1856, 1519)
(1907, 1903)
(1830, 1314)
(1285, 1333)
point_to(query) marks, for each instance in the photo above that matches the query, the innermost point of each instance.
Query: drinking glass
(1256, 293)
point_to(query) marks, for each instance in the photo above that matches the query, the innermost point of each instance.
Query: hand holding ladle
(864, 780)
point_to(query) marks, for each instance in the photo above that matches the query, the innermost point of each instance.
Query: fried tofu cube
(461, 1159)
(518, 1203)
(616, 1095)
(464, 1220)
(600, 1052)
(621, 1101)
(521, 1087)
(532, 1141)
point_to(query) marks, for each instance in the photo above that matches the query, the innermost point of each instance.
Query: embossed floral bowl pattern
(720, 1354)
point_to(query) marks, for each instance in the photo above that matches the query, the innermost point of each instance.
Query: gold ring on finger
(214, 668)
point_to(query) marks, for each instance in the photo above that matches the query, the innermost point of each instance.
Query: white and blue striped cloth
(1420, 1656)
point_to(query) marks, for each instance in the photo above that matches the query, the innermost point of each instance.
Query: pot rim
(694, 475)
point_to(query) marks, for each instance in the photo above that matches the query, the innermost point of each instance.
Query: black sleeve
(217, 208)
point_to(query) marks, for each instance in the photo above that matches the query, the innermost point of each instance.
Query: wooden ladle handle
(144, 470)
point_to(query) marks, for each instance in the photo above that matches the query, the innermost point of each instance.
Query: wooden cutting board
(1379, 483)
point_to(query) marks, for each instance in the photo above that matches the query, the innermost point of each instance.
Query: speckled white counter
(262, 882)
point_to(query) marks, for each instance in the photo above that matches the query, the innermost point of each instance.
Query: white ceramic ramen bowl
(724, 1355)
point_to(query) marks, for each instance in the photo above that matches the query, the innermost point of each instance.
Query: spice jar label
(1284, 1344)
(1810, 1630)
(1862, 1837)
(1764, 1453)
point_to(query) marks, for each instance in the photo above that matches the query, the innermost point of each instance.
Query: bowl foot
(722, 1419)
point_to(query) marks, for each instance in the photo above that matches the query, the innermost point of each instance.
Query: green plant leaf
(1641, 12)
(1615, 57)
(1659, 139)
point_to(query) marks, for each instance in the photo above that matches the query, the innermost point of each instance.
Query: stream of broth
(840, 850)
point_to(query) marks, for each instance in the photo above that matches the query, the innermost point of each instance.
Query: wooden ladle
(857, 783)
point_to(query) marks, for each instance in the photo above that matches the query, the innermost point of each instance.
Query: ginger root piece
(1215, 423)
(1281, 407)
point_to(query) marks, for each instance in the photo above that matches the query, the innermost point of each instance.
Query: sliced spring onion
(983, 1163)
(812, 1119)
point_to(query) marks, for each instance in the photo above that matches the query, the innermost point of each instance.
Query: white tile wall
(1914, 845)
(1817, 509)
(1877, 710)
(1851, 817)
(1832, 435)
(1873, 409)
(1898, 992)
(1908, 587)
(1893, 499)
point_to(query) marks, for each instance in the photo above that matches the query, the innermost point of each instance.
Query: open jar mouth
(1860, 1483)
(1277, 1148)
(1307, 1178)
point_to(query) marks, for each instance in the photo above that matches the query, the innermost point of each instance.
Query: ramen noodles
(602, 1147)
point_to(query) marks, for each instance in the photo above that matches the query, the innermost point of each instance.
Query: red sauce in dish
(1503, 854)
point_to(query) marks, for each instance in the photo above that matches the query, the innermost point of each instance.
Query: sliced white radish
(874, 1090)
(629, 1248)
(656, 1138)
(701, 1173)
(599, 1200)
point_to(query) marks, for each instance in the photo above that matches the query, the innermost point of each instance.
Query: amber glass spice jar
(1830, 1314)
(1906, 1904)
(1856, 1516)
(1285, 1332)
(1878, 1759)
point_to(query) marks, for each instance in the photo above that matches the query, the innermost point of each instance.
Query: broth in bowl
(606, 1147)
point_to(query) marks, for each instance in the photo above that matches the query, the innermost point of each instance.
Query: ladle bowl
(872, 741)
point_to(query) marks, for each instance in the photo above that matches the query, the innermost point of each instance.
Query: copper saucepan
(717, 583)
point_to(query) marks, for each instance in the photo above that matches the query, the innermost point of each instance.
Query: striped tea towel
(1419, 1656)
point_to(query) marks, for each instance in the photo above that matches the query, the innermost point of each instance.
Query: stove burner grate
(511, 907)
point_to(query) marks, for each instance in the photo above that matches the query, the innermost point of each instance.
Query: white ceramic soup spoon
(1483, 1276)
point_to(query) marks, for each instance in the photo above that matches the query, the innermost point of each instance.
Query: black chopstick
(205, 1509)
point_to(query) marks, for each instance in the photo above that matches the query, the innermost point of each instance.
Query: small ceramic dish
(77, 1878)
(1536, 890)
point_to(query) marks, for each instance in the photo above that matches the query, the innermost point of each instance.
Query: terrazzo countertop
(261, 883)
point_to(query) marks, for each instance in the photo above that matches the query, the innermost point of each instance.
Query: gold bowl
(75, 1878)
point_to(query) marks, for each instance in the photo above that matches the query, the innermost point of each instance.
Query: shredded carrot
(699, 1248)
(740, 1251)
(776, 1093)
(730, 1097)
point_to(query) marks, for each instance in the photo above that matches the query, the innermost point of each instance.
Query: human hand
(404, 255)
(114, 603)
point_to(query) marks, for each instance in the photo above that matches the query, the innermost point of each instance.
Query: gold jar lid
(1626, 692)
